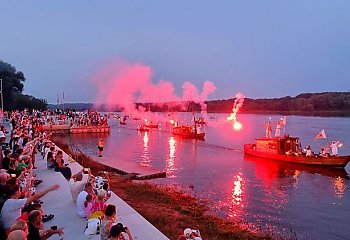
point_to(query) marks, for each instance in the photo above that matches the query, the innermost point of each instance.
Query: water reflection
(281, 169)
(339, 187)
(145, 158)
(237, 196)
(296, 179)
(170, 164)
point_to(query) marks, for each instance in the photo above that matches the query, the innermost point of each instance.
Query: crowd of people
(90, 118)
(21, 214)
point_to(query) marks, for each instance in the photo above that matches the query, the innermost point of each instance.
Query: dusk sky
(262, 49)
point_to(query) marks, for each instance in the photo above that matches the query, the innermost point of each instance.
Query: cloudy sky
(262, 49)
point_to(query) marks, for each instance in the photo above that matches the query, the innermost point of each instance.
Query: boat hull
(336, 162)
(186, 132)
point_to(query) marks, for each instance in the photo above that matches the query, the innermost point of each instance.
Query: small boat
(122, 120)
(288, 149)
(143, 128)
(151, 124)
(201, 121)
(187, 131)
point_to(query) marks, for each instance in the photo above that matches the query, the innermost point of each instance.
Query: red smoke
(123, 84)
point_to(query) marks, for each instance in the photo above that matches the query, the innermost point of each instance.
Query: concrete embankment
(61, 204)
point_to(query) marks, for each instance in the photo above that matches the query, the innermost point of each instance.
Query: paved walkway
(61, 204)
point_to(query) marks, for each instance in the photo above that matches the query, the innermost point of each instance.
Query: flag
(322, 134)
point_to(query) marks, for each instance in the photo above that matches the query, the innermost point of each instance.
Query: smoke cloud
(123, 84)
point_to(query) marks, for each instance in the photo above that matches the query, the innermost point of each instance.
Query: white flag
(322, 134)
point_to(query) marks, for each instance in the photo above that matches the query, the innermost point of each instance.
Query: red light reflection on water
(339, 187)
(145, 159)
(237, 196)
(170, 164)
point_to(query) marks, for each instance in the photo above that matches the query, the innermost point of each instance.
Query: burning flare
(237, 105)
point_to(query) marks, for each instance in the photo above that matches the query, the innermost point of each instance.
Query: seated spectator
(4, 177)
(109, 220)
(20, 225)
(17, 235)
(6, 159)
(98, 206)
(192, 234)
(308, 151)
(50, 161)
(35, 224)
(12, 168)
(11, 209)
(82, 198)
(88, 205)
(60, 167)
(116, 232)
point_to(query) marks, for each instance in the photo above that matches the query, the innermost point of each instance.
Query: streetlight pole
(2, 97)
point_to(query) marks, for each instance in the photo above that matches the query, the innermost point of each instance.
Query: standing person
(334, 147)
(278, 129)
(268, 129)
(100, 147)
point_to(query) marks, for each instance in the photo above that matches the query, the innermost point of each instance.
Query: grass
(168, 209)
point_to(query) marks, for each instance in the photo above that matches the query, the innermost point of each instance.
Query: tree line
(12, 88)
(316, 104)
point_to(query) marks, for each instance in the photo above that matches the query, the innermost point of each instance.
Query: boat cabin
(280, 145)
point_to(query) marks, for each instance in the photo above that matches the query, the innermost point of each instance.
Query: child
(98, 206)
(88, 205)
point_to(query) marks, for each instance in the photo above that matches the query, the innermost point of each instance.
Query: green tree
(12, 86)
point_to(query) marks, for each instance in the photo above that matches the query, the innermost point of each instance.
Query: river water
(312, 202)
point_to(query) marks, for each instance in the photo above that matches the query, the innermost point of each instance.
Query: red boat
(288, 149)
(143, 128)
(189, 131)
(151, 124)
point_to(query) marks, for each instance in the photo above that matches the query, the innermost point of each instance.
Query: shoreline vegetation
(168, 209)
(325, 104)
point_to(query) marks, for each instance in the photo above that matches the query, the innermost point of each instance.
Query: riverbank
(170, 210)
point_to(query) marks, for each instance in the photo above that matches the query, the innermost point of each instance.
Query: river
(313, 203)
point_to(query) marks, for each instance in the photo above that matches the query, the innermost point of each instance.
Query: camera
(86, 170)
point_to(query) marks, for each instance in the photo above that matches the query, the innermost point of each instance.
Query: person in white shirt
(88, 189)
(334, 147)
(12, 207)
